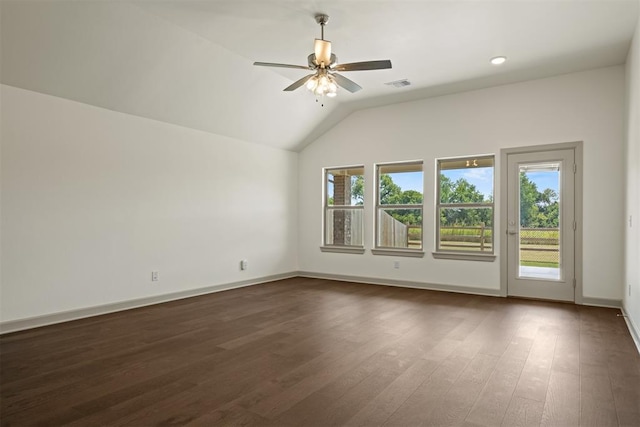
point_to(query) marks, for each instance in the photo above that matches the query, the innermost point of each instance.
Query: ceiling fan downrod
(322, 19)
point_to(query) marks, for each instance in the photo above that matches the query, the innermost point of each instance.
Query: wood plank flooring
(327, 353)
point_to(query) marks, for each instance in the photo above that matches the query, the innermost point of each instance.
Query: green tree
(549, 209)
(411, 197)
(553, 215)
(446, 188)
(357, 189)
(465, 192)
(390, 192)
(462, 191)
(537, 209)
(528, 202)
(409, 216)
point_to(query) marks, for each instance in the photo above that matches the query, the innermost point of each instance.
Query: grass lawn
(539, 264)
(546, 256)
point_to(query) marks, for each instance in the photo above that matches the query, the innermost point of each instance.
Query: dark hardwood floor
(317, 352)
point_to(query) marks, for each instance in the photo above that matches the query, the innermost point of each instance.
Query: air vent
(399, 83)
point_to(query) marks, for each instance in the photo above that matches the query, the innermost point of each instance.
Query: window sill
(464, 256)
(343, 249)
(399, 252)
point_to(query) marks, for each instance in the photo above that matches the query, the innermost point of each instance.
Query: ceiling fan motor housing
(313, 63)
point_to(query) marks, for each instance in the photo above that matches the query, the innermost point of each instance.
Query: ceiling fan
(325, 79)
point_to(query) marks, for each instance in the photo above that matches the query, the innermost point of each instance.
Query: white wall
(586, 106)
(632, 235)
(94, 200)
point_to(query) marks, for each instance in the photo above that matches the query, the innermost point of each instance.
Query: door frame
(577, 147)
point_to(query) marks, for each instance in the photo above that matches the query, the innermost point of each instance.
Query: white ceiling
(190, 62)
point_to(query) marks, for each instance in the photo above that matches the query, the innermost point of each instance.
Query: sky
(545, 180)
(482, 178)
(408, 180)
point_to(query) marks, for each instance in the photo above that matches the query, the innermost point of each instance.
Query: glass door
(540, 225)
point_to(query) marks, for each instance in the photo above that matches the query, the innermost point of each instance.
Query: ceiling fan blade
(322, 50)
(344, 82)
(362, 66)
(271, 64)
(295, 85)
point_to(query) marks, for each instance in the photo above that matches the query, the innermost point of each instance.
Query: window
(399, 209)
(343, 209)
(465, 206)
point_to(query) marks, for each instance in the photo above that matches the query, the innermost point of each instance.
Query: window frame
(464, 254)
(391, 251)
(327, 208)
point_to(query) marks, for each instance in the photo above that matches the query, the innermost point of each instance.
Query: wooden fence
(480, 238)
(393, 233)
(477, 238)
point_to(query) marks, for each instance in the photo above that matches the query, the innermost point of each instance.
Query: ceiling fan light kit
(322, 84)
(325, 80)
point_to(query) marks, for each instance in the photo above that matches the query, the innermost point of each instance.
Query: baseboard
(66, 316)
(402, 283)
(602, 302)
(633, 329)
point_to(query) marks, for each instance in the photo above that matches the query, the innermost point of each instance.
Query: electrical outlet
(154, 276)
(396, 264)
(244, 264)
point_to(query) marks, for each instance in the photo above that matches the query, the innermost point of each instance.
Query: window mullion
(400, 206)
(465, 205)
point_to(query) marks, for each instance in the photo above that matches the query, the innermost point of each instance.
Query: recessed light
(498, 60)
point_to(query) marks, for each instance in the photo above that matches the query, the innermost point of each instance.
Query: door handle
(512, 232)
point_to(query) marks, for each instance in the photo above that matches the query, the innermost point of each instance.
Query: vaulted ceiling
(190, 62)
